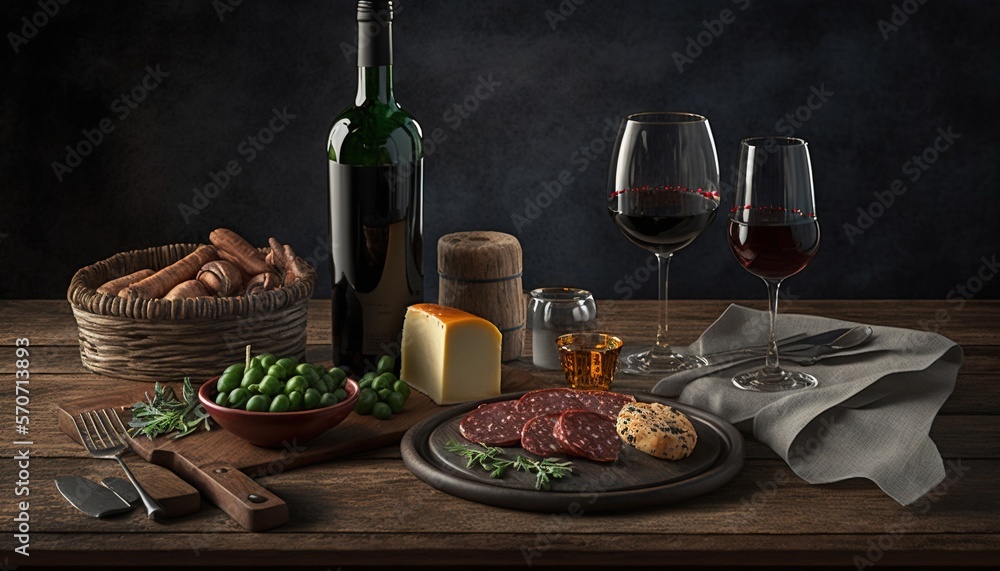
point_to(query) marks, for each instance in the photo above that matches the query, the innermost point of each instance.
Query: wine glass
(664, 192)
(774, 234)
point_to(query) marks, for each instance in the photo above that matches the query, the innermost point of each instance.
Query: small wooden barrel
(480, 272)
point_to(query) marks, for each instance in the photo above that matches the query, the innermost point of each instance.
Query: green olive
(295, 400)
(253, 389)
(306, 370)
(259, 403)
(366, 401)
(337, 374)
(321, 386)
(341, 394)
(381, 382)
(228, 382)
(288, 363)
(278, 372)
(385, 364)
(383, 394)
(221, 399)
(402, 387)
(266, 360)
(329, 399)
(270, 386)
(311, 399)
(238, 398)
(253, 376)
(381, 411)
(280, 404)
(396, 401)
(296, 383)
(237, 368)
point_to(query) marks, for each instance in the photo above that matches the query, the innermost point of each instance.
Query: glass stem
(771, 362)
(662, 345)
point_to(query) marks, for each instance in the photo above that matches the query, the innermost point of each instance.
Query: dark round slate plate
(636, 480)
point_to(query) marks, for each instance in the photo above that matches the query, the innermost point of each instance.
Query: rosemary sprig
(484, 457)
(163, 413)
(545, 470)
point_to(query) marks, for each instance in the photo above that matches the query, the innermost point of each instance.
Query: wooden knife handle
(246, 501)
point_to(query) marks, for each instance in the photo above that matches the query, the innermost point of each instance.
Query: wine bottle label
(385, 306)
(375, 219)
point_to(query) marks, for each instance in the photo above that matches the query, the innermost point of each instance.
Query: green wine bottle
(376, 217)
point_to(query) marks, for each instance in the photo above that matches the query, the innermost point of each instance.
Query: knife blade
(814, 340)
(90, 497)
(788, 345)
(123, 488)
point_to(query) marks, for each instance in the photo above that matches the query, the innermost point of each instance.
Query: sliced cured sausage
(604, 403)
(548, 401)
(539, 439)
(493, 424)
(588, 434)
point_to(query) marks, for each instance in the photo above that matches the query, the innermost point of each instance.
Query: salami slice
(604, 403)
(538, 438)
(588, 434)
(493, 424)
(548, 401)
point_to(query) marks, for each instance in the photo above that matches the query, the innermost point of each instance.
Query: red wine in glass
(666, 220)
(774, 234)
(774, 245)
(662, 194)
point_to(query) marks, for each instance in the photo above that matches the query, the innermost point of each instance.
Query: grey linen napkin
(868, 417)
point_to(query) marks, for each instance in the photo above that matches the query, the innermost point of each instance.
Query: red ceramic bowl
(271, 429)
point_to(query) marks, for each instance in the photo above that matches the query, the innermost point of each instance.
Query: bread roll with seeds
(657, 430)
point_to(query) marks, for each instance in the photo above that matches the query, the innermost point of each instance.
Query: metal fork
(109, 441)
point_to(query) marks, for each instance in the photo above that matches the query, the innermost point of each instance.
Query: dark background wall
(548, 84)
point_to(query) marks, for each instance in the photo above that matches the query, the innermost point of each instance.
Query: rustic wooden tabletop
(368, 509)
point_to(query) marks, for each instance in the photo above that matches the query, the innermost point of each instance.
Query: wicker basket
(166, 340)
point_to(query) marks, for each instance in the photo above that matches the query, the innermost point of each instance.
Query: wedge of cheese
(450, 355)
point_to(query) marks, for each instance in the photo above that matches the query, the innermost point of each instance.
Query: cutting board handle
(246, 501)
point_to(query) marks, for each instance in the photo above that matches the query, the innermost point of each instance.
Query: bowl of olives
(277, 401)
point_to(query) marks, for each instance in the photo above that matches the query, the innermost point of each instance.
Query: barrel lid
(479, 255)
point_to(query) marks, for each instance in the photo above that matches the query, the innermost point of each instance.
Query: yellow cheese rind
(450, 355)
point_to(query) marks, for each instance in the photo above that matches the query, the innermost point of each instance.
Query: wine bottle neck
(375, 84)
(374, 51)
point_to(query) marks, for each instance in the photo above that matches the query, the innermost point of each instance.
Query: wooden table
(370, 510)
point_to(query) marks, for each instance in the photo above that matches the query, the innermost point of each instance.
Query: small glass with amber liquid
(589, 359)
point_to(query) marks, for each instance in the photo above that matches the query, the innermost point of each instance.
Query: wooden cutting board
(223, 467)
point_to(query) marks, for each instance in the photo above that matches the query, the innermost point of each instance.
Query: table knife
(90, 497)
(123, 488)
(788, 345)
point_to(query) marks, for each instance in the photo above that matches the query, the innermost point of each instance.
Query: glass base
(763, 381)
(653, 362)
